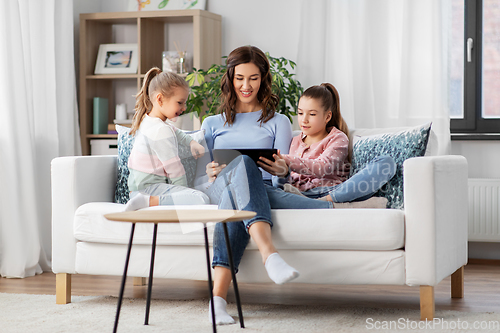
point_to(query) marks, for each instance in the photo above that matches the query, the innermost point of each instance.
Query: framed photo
(138, 5)
(116, 59)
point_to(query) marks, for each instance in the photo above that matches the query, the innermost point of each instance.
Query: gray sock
(292, 189)
(373, 202)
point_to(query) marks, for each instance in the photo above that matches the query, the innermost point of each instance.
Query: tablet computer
(225, 156)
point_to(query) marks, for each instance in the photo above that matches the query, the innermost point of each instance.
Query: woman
(247, 120)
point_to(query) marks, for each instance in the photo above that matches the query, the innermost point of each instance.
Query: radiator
(484, 210)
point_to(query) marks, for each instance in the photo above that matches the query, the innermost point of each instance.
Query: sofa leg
(427, 303)
(139, 281)
(63, 288)
(457, 283)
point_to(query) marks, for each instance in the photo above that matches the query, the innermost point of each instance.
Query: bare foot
(326, 198)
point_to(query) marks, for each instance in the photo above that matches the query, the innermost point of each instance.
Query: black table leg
(124, 277)
(151, 270)
(210, 287)
(233, 273)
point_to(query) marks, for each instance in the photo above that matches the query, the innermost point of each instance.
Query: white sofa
(416, 246)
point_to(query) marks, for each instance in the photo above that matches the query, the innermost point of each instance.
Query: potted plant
(205, 88)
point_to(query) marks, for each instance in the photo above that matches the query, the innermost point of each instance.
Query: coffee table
(180, 216)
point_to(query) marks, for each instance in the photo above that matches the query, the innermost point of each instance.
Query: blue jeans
(239, 186)
(362, 185)
(279, 199)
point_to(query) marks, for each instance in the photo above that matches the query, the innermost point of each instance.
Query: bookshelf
(154, 32)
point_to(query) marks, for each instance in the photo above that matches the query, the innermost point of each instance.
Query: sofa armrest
(75, 181)
(436, 213)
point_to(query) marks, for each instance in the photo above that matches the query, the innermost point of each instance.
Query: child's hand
(278, 167)
(213, 170)
(196, 149)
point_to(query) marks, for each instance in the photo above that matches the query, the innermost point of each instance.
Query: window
(479, 118)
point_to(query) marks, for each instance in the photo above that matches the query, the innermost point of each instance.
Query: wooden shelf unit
(151, 39)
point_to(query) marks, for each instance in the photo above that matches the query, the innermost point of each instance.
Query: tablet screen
(225, 156)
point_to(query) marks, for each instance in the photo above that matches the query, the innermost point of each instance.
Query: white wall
(483, 157)
(273, 26)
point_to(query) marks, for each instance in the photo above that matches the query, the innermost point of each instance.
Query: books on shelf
(100, 121)
(112, 127)
(123, 122)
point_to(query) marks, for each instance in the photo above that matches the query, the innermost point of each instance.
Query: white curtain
(389, 59)
(38, 121)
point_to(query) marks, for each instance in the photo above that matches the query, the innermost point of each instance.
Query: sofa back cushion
(355, 134)
(400, 145)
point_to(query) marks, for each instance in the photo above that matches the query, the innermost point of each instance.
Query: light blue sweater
(247, 132)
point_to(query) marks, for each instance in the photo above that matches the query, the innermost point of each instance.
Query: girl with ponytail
(157, 176)
(318, 163)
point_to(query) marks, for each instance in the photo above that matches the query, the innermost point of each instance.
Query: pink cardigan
(323, 163)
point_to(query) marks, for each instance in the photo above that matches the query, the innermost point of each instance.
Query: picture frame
(116, 59)
(144, 5)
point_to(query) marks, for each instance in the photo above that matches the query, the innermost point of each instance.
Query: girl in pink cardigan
(318, 164)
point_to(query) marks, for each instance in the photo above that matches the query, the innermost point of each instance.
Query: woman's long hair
(155, 81)
(268, 100)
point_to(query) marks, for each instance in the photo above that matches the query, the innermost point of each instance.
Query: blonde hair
(155, 81)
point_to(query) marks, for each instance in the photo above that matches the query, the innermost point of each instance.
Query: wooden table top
(181, 215)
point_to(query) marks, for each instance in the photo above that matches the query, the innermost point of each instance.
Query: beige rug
(39, 313)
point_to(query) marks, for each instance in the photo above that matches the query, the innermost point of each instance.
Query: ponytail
(142, 102)
(155, 81)
(337, 119)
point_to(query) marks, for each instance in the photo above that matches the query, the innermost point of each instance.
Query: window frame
(473, 126)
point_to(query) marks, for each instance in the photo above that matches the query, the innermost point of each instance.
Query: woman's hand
(213, 170)
(196, 149)
(278, 167)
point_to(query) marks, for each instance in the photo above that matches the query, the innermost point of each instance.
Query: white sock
(221, 315)
(292, 189)
(373, 202)
(139, 201)
(278, 270)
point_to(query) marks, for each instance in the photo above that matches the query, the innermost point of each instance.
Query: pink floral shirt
(323, 163)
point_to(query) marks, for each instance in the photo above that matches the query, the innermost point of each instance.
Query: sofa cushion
(90, 225)
(125, 144)
(400, 146)
(336, 229)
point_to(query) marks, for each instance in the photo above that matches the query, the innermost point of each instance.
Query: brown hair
(268, 100)
(155, 81)
(328, 95)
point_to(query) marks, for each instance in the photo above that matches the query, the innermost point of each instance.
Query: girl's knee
(388, 164)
